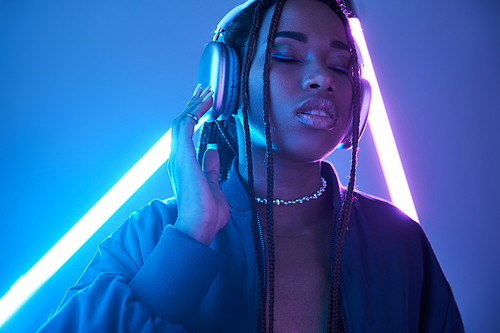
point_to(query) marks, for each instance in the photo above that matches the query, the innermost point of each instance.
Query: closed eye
(286, 59)
(341, 70)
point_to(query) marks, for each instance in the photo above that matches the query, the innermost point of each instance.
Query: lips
(318, 113)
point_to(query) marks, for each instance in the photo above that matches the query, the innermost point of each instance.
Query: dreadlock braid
(269, 157)
(225, 129)
(259, 13)
(348, 199)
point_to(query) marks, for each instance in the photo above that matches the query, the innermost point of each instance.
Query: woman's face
(310, 82)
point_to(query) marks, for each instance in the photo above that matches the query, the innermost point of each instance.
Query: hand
(201, 204)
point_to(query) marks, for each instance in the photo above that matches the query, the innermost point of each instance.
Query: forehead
(311, 17)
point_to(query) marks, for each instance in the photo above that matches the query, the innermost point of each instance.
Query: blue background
(86, 87)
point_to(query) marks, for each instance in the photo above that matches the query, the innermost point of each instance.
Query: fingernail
(207, 97)
(212, 146)
(205, 90)
(197, 89)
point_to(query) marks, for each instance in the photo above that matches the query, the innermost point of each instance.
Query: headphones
(219, 67)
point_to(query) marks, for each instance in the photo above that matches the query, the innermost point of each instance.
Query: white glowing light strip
(29, 283)
(382, 133)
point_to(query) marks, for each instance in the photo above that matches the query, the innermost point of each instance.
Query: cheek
(285, 93)
(285, 81)
(281, 88)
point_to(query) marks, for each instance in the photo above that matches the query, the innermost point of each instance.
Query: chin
(303, 153)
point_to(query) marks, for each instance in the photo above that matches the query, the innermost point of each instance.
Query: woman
(219, 258)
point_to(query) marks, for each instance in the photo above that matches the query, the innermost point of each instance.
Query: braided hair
(241, 35)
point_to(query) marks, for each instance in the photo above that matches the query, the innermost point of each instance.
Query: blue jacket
(149, 277)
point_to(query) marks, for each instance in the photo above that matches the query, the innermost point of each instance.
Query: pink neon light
(382, 133)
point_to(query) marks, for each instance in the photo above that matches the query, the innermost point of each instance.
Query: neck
(292, 179)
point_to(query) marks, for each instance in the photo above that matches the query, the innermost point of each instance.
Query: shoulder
(388, 256)
(380, 211)
(379, 217)
(124, 251)
(381, 233)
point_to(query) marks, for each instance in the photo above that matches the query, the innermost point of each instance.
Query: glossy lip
(325, 122)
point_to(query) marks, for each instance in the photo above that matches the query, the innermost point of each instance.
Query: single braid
(223, 129)
(259, 12)
(348, 199)
(269, 157)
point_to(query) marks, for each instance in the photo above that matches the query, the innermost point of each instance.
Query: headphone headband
(233, 13)
(221, 26)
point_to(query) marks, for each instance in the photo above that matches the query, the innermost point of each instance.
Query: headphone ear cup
(366, 95)
(220, 68)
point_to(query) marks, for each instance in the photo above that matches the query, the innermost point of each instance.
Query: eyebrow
(293, 35)
(339, 45)
(299, 36)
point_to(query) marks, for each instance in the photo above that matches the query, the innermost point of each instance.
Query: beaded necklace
(306, 198)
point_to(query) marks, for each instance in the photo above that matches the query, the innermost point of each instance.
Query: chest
(302, 282)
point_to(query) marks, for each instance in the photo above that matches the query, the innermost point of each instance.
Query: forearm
(107, 305)
(176, 277)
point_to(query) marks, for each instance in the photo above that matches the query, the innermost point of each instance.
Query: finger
(200, 102)
(183, 125)
(197, 89)
(206, 93)
(211, 164)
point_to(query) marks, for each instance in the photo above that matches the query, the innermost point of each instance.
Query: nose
(320, 77)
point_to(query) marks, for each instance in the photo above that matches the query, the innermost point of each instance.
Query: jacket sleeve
(438, 309)
(146, 277)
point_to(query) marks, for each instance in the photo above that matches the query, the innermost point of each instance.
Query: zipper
(263, 253)
(263, 249)
(342, 314)
(332, 257)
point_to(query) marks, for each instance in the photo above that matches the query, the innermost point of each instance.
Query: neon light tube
(382, 134)
(29, 283)
(388, 154)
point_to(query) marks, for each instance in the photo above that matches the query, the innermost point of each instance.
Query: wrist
(202, 233)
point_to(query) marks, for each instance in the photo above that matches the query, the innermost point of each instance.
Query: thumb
(211, 164)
